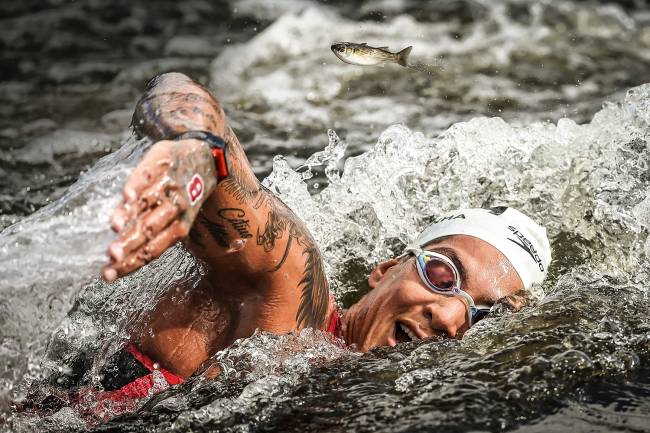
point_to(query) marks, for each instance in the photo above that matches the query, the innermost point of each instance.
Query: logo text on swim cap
(497, 210)
(448, 218)
(527, 246)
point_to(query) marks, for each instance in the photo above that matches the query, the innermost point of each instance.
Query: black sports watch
(217, 147)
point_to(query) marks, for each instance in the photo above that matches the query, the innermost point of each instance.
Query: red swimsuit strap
(170, 377)
(334, 326)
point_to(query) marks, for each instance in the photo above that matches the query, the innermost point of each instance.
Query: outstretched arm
(244, 234)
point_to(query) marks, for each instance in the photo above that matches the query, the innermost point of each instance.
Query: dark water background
(573, 153)
(82, 65)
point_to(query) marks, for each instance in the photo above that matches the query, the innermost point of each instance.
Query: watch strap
(217, 148)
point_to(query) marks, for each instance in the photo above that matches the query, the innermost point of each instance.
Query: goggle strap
(479, 312)
(466, 296)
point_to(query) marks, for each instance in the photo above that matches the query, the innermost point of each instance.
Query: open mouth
(403, 333)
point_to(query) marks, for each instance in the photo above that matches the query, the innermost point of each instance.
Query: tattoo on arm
(235, 217)
(314, 300)
(315, 292)
(235, 184)
(160, 115)
(216, 230)
(273, 230)
(195, 236)
(163, 114)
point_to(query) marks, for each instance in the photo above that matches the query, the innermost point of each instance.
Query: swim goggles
(439, 273)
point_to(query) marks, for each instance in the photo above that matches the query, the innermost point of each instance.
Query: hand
(160, 202)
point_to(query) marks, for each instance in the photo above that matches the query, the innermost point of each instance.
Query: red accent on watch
(217, 148)
(220, 163)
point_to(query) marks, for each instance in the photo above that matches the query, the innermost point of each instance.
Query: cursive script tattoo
(163, 113)
(236, 219)
(216, 230)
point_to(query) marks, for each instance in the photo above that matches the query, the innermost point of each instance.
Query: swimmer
(264, 269)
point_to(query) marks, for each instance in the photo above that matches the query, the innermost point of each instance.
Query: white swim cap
(518, 237)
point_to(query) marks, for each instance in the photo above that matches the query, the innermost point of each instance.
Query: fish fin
(363, 43)
(382, 48)
(403, 55)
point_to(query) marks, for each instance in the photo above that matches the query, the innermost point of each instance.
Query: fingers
(143, 230)
(145, 199)
(152, 167)
(120, 217)
(350, 324)
(159, 218)
(150, 198)
(176, 231)
(152, 195)
(157, 197)
(147, 251)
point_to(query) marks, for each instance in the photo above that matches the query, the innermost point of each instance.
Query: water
(569, 146)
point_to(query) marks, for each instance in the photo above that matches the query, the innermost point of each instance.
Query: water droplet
(236, 245)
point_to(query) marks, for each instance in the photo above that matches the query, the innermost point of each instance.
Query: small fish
(365, 55)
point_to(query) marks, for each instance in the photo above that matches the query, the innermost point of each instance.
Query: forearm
(248, 238)
(256, 243)
(237, 208)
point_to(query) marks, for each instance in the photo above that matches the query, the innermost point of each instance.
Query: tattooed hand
(160, 202)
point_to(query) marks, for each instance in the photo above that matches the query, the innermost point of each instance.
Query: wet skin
(398, 295)
(264, 268)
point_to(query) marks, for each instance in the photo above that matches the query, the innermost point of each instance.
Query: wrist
(217, 147)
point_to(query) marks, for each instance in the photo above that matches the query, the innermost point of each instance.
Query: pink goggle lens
(440, 274)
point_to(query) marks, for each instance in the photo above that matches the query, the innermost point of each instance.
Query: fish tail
(403, 55)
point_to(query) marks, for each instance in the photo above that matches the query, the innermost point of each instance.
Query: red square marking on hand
(195, 188)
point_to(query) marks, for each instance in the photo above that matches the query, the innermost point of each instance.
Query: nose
(448, 318)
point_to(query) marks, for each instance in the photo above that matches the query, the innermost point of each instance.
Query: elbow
(162, 82)
(154, 115)
(173, 103)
